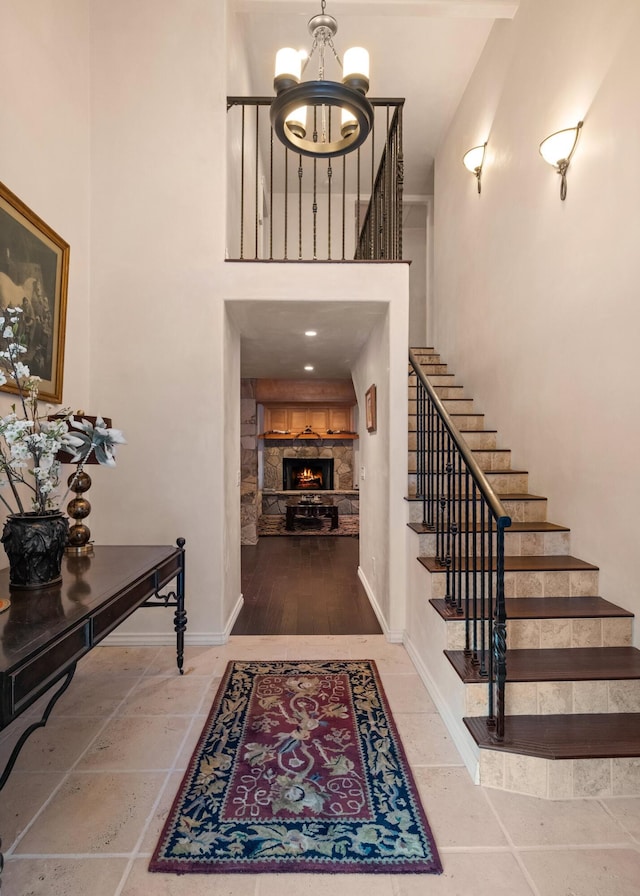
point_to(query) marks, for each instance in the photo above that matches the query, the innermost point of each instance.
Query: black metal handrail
(466, 517)
(287, 207)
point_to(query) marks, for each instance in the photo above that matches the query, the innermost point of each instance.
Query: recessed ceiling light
(310, 333)
(308, 366)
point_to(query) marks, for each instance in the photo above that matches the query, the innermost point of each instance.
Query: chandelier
(322, 118)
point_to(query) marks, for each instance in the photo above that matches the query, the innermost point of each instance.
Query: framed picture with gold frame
(370, 408)
(34, 274)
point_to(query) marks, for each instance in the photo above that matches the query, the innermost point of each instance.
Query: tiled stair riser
(560, 779)
(516, 544)
(442, 390)
(542, 634)
(433, 367)
(503, 482)
(463, 421)
(532, 511)
(569, 583)
(486, 460)
(558, 697)
(475, 440)
(453, 405)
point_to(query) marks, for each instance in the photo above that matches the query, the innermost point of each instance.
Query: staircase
(572, 726)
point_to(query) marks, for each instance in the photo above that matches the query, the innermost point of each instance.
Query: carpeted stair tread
(580, 736)
(558, 664)
(537, 526)
(546, 608)
(528, 563)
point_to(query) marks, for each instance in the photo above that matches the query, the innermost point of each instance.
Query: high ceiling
(422, 50)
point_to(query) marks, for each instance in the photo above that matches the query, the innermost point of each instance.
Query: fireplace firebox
(307, 473)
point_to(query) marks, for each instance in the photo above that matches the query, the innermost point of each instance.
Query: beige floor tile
(62, 877)
(325, 884)
(592, 872)
(389, 658)
(478, 873)
(627, 811)
(205, 661)
(104, 660)
(142, 882)
(254, 647)
(156, 822)
(59, 744)
(100, 812)
(458, 810)
(136, 742)
(317, 647)
(95, 695)
(426, 740)
(530, 821)
(406, 693)
(164, 695)
(186, 752)
(22, 796)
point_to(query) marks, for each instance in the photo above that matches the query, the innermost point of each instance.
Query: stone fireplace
(340, 452)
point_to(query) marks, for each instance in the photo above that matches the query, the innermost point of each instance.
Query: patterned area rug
(299, 768)
(274, 524)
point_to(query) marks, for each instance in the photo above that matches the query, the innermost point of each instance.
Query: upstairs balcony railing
(467, 521)
(283, 206)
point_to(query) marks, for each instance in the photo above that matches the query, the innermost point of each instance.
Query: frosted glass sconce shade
(473, 161)
(558, 149)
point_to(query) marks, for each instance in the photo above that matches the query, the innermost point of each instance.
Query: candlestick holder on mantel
(79, 537)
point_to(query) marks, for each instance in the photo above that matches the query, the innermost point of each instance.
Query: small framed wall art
(34, 274)
(370, 408)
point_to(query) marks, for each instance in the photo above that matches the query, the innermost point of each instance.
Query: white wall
(44, 150)
(537, 299)
(159, 346)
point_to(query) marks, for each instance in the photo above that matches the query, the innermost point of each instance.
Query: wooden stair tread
(528, 563)
(507, 496)
(558, 664)
(546, 608)
(580, 736)
(538, 526)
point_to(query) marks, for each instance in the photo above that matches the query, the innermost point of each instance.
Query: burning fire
(308, 477)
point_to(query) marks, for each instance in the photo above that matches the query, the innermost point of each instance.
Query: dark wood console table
(45, 632)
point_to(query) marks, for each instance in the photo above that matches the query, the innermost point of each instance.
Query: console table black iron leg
(23, 737)
(180, 618)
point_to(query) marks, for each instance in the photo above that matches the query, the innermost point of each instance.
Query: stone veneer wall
(250, 496)
(341, 452)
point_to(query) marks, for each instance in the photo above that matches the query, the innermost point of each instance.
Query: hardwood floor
(303, 586)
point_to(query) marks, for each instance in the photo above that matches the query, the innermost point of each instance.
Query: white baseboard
(455, 726)
(164, 639)
(393, 637)
(232, 618)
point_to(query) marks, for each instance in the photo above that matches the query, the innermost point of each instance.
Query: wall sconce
(473, 161)
(557, 150)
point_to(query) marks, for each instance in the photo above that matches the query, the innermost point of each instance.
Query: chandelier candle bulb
(296, 121)
(348, 123)
(355, 69)
(288, 69)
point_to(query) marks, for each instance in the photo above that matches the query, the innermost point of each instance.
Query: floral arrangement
(29, 442)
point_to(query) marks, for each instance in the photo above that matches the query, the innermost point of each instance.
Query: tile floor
(85, 804)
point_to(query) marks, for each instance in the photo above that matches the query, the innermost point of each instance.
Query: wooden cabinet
(295, 419)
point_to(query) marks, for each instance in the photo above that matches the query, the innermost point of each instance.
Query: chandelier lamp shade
(558, 149)
(321, 118)
(473, 160)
